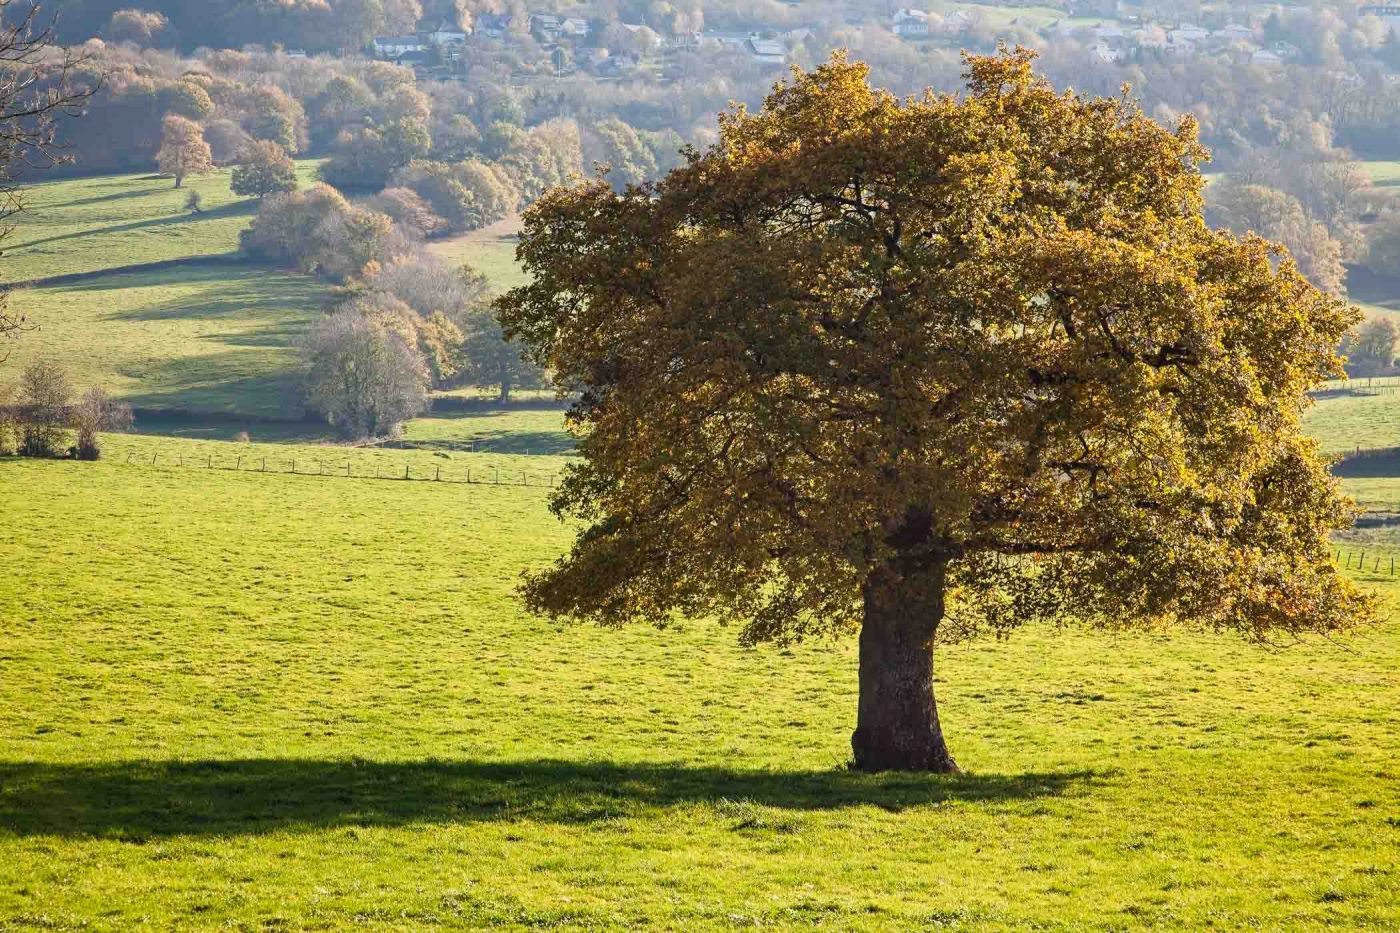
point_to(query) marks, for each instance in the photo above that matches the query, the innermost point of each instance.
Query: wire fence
(1357, 560)
(348, 469)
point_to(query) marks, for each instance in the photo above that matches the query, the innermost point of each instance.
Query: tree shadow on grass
(228, 210)
(140, 800)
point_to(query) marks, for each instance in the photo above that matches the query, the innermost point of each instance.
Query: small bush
(97, 412)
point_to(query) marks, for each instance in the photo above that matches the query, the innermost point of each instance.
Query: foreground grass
(237, 699)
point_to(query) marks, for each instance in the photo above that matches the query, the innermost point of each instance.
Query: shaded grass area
(199, 337)
(133, 800)
(307, 702)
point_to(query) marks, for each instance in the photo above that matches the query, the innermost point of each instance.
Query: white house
(392, 47)
(446, 34)
(767, 51)
(1233, 32)
(728, 40)
(910, 24)
(1188, 33)
(1106, 54)
(576, 27)
(1265, 57)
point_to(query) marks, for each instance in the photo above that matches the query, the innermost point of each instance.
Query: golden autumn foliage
(929, 368)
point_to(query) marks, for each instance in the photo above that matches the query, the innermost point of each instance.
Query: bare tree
(96, 412)
(364, 374)
(34, 93)
(44, 393)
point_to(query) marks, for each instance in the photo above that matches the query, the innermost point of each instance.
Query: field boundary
(345, 469)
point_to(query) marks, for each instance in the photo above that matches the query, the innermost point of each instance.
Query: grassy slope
(91, 224)
(208, 337)
(490, 251)
(200, 336)
(306, 701)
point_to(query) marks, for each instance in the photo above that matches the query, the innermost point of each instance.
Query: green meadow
(276, 683)
(206, 333)
(258, 700)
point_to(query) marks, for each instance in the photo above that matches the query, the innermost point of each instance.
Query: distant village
(1108, 31)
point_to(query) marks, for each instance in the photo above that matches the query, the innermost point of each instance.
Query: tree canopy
(929, 368)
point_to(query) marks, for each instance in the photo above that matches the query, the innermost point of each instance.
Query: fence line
(345, 469)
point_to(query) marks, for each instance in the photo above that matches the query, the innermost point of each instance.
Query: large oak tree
(931, 368)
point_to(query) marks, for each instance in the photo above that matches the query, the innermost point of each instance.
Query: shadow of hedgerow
(139, 800)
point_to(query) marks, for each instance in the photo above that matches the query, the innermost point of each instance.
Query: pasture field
(1346, 416)
(207, 334)
(82, 225)
(490, 251)
(246, 700)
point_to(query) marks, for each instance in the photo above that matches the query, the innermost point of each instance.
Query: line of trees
(40, 417)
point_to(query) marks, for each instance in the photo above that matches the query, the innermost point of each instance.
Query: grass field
(236, 698)
(490, 251)
(282, 701)
(90, 224)
(205, 335)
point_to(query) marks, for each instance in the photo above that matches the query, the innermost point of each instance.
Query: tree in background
(614, 144)
(9, 420)
(850, 366)
(44, 394)
(1371, 349)
(263, 168)
(366, 157)
(1275, 215)
(96, 412)
(137, 26)
(490, 359)
(319, 231)
(29, 110)
(413, 214)
(183, 151)
(1383, 244)
(364, 374)
(276, 116)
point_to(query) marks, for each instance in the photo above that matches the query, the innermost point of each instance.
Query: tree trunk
(897, 725)
(505, 391)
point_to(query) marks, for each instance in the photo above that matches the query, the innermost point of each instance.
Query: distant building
(1188, 33)
(493, 25)
(576, 27)
(546, 26)
(1265, 57)
(910, 24)
(1234, 32)
(447, 33)
(767, 51)
(391, 47)
(1387, 13)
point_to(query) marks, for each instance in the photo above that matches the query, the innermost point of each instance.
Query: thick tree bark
(897, 725)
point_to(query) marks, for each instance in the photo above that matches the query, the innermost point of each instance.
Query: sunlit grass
(246, 699)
